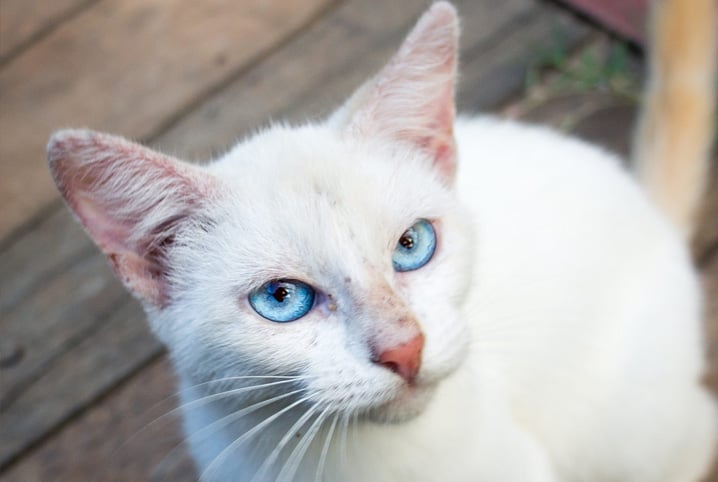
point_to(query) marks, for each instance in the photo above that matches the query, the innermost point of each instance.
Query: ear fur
(411, 100)
(131, 201)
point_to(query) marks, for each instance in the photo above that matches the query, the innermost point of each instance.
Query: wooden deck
(81, 378)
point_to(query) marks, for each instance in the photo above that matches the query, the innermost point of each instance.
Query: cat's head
(335, 253)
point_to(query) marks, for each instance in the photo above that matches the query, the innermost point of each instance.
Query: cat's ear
(131, 201)
(411, 100)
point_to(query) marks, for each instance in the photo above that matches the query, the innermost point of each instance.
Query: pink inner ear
(139, 272)
(130, 199)
(412, 99)
(441, 146)
(109, 233)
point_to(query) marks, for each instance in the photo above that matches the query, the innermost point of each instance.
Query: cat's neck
(297, 436)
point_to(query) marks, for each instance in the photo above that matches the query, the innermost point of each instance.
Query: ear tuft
(130, 199)
(411, 100)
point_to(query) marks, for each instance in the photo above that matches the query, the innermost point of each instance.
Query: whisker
(285, 439)
(220, 395)
(355, 426)
(325, 449)
(245, 436)
(343, 439)
(224, 421)
(295, 458)
(200, 401)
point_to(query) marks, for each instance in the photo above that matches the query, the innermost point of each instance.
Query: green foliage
(604, 67)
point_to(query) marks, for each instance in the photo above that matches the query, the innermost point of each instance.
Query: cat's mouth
(409, 402)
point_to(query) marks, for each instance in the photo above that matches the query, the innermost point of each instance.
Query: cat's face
(309, 206)
(335, 254)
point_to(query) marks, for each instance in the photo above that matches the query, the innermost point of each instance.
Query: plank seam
(235, 75)
(30, 224)
(13, 393)
(19, 232)
(43, 32)
(79, 411)
(47, 278)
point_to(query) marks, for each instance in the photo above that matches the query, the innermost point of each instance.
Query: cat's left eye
(415, 247)
(282, 300)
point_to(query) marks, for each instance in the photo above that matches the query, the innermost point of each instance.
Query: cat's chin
(409, 402)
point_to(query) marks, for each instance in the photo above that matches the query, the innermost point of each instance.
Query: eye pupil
(407, 241)
(280, 294)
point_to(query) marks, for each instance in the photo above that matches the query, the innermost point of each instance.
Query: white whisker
(295, 458)
(217, 424)
(278, 448)
(325, 449)
(204, 400)
(343, 439)
(244, 437)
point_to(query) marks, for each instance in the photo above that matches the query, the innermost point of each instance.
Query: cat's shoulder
(526, 143)
(506, 152)
(538, 176)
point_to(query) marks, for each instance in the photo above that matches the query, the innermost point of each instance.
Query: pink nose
(404, 359)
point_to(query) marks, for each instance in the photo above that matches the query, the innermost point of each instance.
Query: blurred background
(81, 378)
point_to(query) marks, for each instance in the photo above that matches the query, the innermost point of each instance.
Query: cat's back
(583, 291)
(562, 227)
(535, 191)
(535, 166)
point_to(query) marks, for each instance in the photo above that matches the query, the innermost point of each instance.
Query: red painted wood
(625, 17)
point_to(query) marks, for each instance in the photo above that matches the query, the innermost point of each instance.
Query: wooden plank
(705, 241)
(21, 21)
(128, 66)
(43, 254)
(311, 74)
(496, 67)
(597, 117)
(59, 314)
(125, 332)
(111, 441)
(499, 40)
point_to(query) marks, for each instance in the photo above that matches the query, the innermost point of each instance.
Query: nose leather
(403, 359)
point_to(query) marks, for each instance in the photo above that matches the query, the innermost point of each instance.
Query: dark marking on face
(331, 303)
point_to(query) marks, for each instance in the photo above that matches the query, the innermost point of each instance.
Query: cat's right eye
(282, 300)
(415, 247)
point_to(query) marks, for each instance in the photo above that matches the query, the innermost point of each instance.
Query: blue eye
(282, 300)
(415, 247)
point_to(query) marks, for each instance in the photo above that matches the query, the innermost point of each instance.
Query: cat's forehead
(306, 199)
(315, 167)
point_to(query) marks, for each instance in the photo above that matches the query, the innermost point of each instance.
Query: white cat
(343, 301)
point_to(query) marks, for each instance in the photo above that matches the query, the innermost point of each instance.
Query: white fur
(584, 311)
(560, 312)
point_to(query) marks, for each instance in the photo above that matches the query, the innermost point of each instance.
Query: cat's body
(537, 320)
(555, 240)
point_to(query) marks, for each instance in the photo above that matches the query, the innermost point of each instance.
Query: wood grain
(116, 439)
(705, 242)
(21, 21)
(34, 261)
(61, 313)
(313, 75)
(128, 66)
(102, 358)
